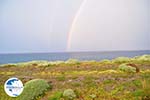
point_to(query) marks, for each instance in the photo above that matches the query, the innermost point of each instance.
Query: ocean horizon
(93, 55)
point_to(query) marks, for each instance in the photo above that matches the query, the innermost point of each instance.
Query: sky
(28, 26)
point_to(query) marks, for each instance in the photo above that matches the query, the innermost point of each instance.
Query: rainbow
(73, 24)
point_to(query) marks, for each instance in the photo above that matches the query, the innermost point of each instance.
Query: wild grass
(89, 80)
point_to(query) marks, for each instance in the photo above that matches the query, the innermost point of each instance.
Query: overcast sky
(74, 25)
(111, 25)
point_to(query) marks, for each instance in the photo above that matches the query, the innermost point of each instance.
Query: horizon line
(75, 52)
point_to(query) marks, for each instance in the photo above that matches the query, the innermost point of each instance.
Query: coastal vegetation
(121, 78)
(34, 89)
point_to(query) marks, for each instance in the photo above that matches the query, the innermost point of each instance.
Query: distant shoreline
(91, 55)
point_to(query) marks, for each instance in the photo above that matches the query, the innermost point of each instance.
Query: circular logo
(13, 87)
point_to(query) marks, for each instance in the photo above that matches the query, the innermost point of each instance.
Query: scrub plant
(69, 94)
(127, 68)
(33, 89)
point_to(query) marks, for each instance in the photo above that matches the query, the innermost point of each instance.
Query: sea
(63, 56)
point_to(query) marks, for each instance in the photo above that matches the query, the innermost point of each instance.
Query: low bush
(144, 58)
(127, 68)
(121, 60)
(106, 61)
(56, 62)
(72, 61)
(8, 65)
(33, 89)
(69, 94)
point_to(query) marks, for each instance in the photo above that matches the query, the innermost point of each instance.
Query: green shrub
(127, 68)
(56, 96)
(143, 58)
(56, 62)
(72, 61)
(69, 94)
(33, 89)
(8, 65)
(106, 61)
(121, 60)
